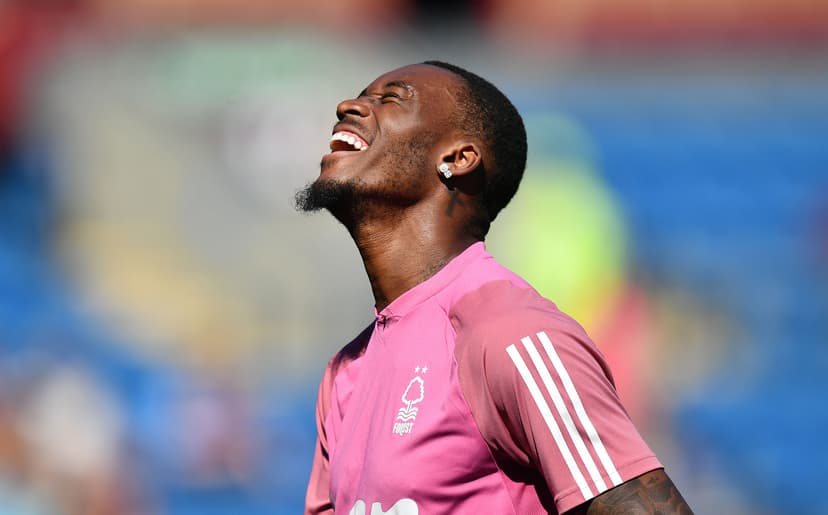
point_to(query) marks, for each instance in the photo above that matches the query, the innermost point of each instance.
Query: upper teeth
(351, 139)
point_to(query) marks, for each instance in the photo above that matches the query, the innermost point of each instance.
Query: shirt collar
(434, 284)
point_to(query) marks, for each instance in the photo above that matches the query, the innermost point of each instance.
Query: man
(469, 393)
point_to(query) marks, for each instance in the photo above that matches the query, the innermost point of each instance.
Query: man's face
(385, 148)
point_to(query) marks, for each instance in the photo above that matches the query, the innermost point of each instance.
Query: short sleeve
(317, 497)
(544, 401)
(318, 494)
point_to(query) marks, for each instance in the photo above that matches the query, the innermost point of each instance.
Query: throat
(395, 265)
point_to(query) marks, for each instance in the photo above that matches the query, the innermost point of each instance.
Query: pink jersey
(470, 394)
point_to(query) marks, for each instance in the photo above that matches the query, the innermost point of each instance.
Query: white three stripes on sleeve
(563, 412)
(550, 420)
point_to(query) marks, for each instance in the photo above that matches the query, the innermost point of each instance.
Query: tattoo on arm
(650, 494)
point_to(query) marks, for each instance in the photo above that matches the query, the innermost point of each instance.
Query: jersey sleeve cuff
(572, 497)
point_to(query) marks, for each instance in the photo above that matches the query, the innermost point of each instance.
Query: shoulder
(501, 313)
(352, 351)
(335, 368)
(346, 355)
(501, 321)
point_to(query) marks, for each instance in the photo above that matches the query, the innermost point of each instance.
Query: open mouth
(344, 141)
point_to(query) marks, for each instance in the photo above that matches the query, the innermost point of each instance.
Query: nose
(352, 106)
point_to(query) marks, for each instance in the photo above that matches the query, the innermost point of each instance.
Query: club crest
(413, 394)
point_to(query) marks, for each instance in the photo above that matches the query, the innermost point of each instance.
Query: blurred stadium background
(165, 315)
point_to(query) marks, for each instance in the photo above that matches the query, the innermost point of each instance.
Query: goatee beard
(353, 202)
(328, 195)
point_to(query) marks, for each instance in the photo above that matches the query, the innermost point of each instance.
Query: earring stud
(444, 169)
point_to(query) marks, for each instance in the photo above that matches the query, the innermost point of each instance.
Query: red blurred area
(29, 31)
(644, 21)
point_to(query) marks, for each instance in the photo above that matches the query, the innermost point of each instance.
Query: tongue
(339, 145)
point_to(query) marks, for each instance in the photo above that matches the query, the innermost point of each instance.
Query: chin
(339, 163)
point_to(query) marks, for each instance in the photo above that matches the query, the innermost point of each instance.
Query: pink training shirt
(470, 394)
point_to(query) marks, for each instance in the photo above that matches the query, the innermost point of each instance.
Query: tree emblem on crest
(414, 393)
(420, 386)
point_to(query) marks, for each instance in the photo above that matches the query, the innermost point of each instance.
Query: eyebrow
(393, 84)
(398, 84)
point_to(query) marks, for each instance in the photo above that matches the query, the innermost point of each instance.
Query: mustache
(351, 121)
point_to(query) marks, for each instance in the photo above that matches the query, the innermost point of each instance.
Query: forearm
(649, 494)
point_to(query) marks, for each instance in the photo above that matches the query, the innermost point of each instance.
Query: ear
(463, 158)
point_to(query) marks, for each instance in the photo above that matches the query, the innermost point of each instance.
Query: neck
(399, 256)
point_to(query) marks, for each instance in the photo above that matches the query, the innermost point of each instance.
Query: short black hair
(494, 119)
